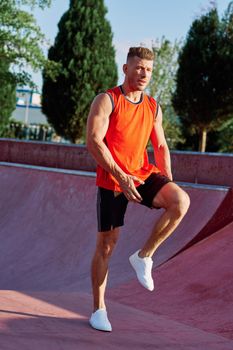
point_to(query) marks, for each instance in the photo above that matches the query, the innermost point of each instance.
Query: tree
(7, 96)
(225, 137)
(162, 86)
(83, 47)
(204, 96)
(21, 44)
(21, 40)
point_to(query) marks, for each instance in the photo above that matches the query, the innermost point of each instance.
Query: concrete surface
(47, 235)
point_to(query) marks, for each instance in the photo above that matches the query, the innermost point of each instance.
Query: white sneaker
(99, 320)
(143, 267)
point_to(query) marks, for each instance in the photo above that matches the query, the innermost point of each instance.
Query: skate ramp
(194, 288)
(48, 232)
(48, 229)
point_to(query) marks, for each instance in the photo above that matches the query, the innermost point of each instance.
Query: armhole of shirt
(157, 109)
(111, 98)
(113, 106)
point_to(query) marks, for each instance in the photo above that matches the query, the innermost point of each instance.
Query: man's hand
(128, 187)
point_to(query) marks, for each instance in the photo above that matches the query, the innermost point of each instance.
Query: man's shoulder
(153, 104)
(113, 91)
(151, 99)
(114, 94)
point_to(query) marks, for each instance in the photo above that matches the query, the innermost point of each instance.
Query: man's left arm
(159, 143)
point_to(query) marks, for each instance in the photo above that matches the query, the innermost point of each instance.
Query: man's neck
(133, 96)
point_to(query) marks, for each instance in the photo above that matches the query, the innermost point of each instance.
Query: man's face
(138, 72)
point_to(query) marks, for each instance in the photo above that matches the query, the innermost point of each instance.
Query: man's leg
(111, 207)
(106, 242)
(176, 202)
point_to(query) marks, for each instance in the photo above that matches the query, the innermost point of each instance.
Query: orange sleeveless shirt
(127, 136)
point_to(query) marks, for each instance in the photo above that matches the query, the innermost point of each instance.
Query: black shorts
(111, 206)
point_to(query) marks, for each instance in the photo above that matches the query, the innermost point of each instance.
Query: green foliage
(21, 44)
(225, 137)
(7, 96)
(172, 127)
(83, 48)
(37, 132)
(204, 94)
(162, 86)
(162, 83)
(21, 39)
(225, 64)
(32, 3)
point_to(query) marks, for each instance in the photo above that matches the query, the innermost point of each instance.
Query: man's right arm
(97, 126)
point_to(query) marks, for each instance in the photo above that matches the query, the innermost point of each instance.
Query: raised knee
(181, 205)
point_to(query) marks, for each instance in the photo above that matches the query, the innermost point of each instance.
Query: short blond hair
(141, 52)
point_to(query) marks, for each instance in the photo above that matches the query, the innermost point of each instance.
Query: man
(120, 124)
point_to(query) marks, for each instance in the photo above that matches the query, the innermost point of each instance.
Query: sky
(134, 22)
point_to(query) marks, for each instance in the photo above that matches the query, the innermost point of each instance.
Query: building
(28, 107)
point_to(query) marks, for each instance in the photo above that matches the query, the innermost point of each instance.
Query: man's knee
(180, 204)
(107, 242)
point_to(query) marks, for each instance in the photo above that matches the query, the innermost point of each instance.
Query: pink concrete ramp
(48, 229)
(55, 320)
(195, 287)
(47, 232)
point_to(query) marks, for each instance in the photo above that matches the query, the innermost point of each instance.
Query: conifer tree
(204, 95)
(83, 47)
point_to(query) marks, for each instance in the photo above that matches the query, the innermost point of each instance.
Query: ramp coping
(56, 170)
(93, 174)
